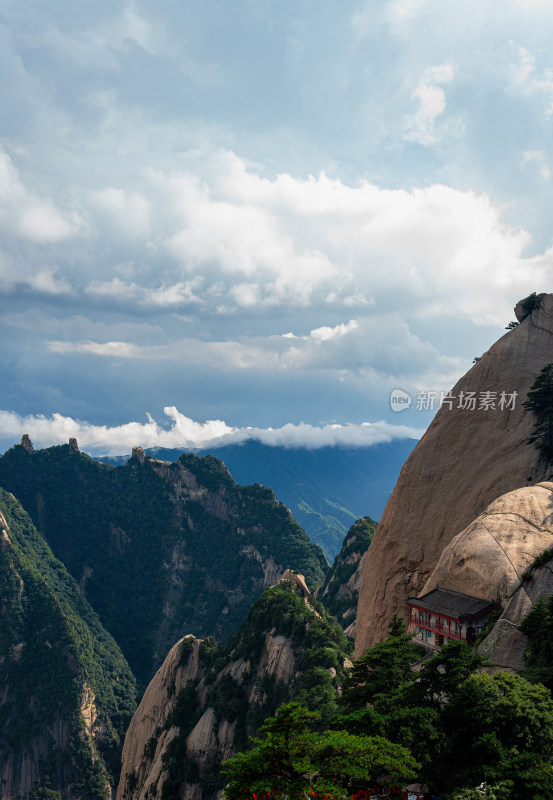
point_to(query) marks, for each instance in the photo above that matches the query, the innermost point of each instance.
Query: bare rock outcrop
(142, 764)
(205, 701)
(490, 559)
(26, 443)
(506, 644)
(467, 458)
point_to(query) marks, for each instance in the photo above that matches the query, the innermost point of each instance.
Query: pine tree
(540, 401)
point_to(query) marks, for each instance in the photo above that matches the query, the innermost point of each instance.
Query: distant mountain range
(326, 489)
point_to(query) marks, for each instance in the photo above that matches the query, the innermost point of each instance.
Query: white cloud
(28, 216)
(431, 96)
(122, 211)
(186, 433)
(109, 349)
(176, 294)
(325, 333)
(368, 351)
(47, 282)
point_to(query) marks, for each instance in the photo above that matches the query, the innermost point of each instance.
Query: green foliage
(43, 791)
(500, 725)
(540, 401)
(511, 325)
(355, 544)
(537, 625)
(532, 302)
(382, 670)
(441, 676)
(131, 537)
(292, 760)
(52, 645)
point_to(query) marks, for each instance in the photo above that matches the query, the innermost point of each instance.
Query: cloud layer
(187, 434)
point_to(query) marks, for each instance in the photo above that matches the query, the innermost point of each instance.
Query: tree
(537, 625)
(532, 302)
(294, 762)
(439, 678)
(500, 726)
(540, 401)
(382, 669)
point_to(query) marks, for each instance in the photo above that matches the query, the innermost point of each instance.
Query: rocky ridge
(158, 547)
(340, 591)
(205, 700)
(466, 460)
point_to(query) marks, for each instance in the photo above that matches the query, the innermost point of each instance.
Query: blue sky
(263, 215)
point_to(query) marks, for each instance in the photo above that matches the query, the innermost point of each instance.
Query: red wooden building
(442, 615)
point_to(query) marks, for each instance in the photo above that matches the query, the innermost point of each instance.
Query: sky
(257, 219)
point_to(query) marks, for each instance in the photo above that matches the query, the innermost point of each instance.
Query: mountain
(66, 692)
(340, 592)
(326, 489)
(206, 699)
(468, 458)
(159, 549)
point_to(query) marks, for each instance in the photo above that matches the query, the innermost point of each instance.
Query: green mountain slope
(160, 549)
(340, 591)
(326, 489)
(66, 692)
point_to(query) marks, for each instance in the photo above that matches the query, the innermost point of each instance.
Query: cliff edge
(467, 459)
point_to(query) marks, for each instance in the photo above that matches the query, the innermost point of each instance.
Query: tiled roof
(452, 604)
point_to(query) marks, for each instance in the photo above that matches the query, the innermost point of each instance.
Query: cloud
(28, 216)
(111, 349)
(431, 96)
(219, 236)
(371, 349)
(188, 434)
(325, 333)
(121, 211)
(47, 282)
(174, 295)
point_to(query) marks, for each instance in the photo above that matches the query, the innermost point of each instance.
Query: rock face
(466, 459)
(142, 761)
(490, 559)
(505, 645)
(205, 700)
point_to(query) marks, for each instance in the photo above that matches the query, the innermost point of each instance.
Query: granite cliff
(206, 700)
(468, 458)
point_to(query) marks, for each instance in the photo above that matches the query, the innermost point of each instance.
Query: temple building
(441, 615)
